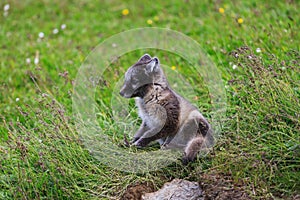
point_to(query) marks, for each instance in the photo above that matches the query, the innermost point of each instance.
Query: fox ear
(153, 65)
(145, 58)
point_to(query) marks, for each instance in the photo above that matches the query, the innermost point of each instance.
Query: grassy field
(254, 45)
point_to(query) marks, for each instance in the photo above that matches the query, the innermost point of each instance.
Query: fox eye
(134, 81)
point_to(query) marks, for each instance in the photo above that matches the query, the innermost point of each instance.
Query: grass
(42, 155)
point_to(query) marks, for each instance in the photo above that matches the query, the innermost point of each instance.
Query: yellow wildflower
(221, 10)
(149, 21)
(240, 20)
(125, 12)
(173, 67)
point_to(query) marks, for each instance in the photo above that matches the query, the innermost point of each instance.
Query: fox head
(146, 71)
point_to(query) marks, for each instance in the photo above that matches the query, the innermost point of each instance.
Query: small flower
(240, 20)
(6, 7)
(55, 31)
(125, 12)
(149, 21)
(63, 26)
(41, 35)
(234, 66)
(28, 60)
(258, 50)
(36, 60)
(156, 18)
(221, 10)
(173, 67)
(45, 95)
(37, 57)
(17, 99)
(114, 45)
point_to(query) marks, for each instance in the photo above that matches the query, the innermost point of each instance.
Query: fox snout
(122, 93)
(126, 92)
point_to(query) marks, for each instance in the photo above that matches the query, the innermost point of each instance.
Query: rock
(177, 189)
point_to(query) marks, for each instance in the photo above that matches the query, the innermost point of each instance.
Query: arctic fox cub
(166, 116)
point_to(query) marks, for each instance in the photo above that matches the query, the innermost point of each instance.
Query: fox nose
(121, 93)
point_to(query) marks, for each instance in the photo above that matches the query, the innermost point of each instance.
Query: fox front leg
(149, 136)
(143, 128)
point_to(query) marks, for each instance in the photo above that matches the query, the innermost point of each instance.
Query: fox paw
(140, 143)
(186, 159)
(164, 147)
(134, 140)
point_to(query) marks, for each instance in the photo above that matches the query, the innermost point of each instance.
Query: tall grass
(41, 153)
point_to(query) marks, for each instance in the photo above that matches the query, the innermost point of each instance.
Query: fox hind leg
(192, 149)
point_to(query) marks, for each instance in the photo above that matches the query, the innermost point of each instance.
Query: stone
(177, 189)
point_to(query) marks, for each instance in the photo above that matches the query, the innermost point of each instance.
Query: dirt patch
(214, 186)
(217, 187)
(135, 192)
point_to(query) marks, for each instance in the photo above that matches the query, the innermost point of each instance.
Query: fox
(167, 117)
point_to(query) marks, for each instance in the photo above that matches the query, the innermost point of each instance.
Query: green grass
(42, 155)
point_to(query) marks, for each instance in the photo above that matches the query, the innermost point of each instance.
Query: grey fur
(166, 116)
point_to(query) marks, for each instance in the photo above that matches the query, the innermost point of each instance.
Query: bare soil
(135, 192)
(215, 187)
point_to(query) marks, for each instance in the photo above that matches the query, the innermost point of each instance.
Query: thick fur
(166, 116)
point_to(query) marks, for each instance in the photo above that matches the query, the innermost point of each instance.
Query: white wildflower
(17, 99)
(63, 26)
(6, 7)
(36, 60)
(258, 50)
(41, 35)
(234, 66)
(55, 31)
(45, 95)
(28, 60)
